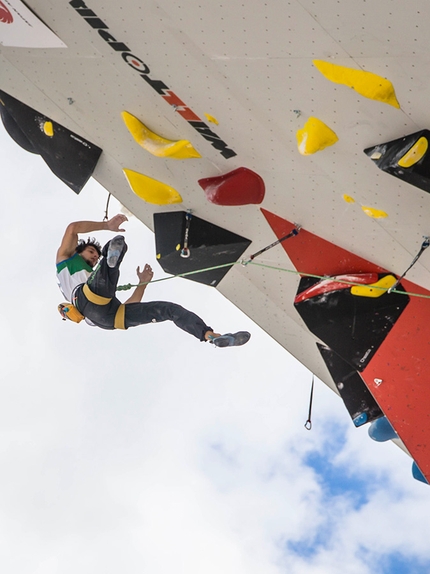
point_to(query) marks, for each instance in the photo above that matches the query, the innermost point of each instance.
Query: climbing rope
(130, 285)
(265, 266)
(185, 252)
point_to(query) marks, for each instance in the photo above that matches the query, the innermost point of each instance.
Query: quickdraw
(292, 233)
(185, 252)
(424, 246)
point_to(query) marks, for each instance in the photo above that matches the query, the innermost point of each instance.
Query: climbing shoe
(232, 339)
(115, 248)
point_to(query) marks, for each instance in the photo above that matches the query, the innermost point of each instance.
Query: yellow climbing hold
(48, 128)
(151, 190)
(416, 153)
(348, 198)
(315, 136)
(211, 119)
(375, 289)
(366, 84)
(155, 144)
(375, 213)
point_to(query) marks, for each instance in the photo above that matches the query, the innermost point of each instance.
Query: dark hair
(90, 242)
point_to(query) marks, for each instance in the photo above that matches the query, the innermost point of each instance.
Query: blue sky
(148, 451)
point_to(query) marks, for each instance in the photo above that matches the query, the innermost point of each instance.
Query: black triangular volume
(209, 246)
(70, 157)
(407, 158)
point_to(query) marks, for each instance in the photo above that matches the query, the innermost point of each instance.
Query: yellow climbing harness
(119, 321)
(93, 298)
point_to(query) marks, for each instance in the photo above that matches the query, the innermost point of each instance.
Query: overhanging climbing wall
(285, 90)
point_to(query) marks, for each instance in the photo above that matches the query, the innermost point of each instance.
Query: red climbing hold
(238, 187)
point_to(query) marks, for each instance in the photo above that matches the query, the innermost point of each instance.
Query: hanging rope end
(308, 423)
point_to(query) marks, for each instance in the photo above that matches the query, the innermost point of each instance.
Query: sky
(148, 451)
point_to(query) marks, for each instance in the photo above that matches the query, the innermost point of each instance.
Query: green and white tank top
(71, 273)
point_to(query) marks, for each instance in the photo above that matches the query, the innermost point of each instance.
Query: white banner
(19, 27)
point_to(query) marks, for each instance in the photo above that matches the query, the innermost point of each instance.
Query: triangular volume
(71, 157)
(312, 254)
(407, 158)
(353, 326)
(208, 246)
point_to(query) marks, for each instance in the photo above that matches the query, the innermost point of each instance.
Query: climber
(88, 276)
